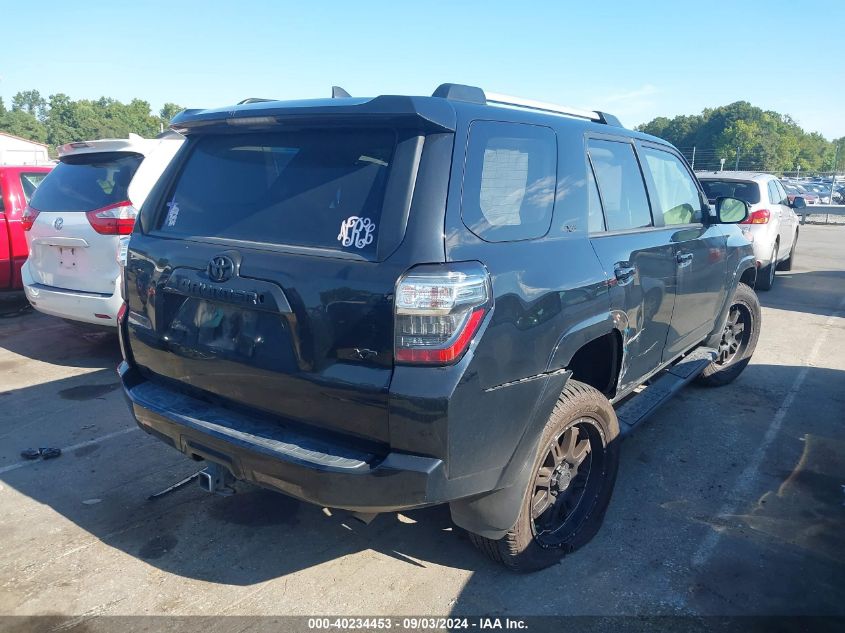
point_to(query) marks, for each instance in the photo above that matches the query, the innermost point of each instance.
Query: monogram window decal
(356, 231)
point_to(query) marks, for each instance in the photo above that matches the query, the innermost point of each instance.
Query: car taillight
(115, 219)
(438, 310)
(760, 216)
(28, 218)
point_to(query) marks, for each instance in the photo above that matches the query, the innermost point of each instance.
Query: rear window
(312, 188)
(86, 182)
(30, 182)
(747, 191)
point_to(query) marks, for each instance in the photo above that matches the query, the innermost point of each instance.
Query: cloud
(646, 90)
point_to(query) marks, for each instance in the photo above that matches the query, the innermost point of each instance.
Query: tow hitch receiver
(217, 479)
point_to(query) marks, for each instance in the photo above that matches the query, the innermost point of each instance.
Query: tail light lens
(760, 216)
(28, 218)
(438, 310)
(115, 219)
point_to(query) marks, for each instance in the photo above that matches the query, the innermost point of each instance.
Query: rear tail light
(760, 216)
(115, 219)
(28, 218)
(438, 311)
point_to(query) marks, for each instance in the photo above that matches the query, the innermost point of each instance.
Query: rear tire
(739, 339)
(766, 278)
(789, 261)
(572, 480)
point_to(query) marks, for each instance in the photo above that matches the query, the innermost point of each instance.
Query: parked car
(17, 184)
(772, 224)
(80, 219)
(822, 191)
(795, 190)
(389, 303)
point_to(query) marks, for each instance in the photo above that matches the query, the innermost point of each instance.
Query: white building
(19, 151)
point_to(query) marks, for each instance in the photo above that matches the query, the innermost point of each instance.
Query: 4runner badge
(356, 231)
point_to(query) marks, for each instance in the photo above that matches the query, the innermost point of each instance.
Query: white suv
(772, 224)
(78, 224)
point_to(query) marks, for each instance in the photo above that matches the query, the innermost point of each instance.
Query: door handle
(624, 273)
(683, 259)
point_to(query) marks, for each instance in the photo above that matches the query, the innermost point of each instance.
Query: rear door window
(308, 188)
(621, 185)
(86, 182)
(509, 181)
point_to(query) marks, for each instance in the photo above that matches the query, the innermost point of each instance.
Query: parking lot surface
(729, 501)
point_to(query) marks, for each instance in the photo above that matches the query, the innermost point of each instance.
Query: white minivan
(78, 223)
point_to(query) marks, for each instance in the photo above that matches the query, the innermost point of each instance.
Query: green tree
(168, 111)
(31, 102)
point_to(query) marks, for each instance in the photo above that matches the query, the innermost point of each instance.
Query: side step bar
(637, 408)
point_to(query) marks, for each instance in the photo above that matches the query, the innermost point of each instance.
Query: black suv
(383, 304)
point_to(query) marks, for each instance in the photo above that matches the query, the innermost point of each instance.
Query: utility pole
(721, 164)
(693, 158)
(737, 159)
(798, 168)
(833, 175)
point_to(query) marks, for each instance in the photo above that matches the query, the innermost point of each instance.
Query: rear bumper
(70, 304)
(315, 468)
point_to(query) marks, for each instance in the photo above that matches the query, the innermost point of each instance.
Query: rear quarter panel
(543, 289)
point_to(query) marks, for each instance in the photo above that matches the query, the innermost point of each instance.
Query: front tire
(572, 480)
(739, 339)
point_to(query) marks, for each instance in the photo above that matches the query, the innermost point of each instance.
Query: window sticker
(172, 213)
(355, 231)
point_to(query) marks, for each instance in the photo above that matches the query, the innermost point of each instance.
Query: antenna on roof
(339, 93)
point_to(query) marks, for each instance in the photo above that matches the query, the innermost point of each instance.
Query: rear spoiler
(432, 114)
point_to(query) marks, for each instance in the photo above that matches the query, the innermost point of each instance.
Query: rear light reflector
(102, 316)
(115, 219)
(438, 311)
(760, 216)
(28, 218)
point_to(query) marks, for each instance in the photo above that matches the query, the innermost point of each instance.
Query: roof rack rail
(253, 100)
(472, 94)
(339, 93)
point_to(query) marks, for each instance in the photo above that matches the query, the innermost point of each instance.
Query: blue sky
(636, 59)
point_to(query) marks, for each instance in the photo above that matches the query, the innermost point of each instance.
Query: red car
(17, 184)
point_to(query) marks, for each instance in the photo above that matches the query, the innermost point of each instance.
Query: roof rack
(254, 100)
(460, 92)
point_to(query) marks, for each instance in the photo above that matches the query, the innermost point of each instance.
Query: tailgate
(266, 279)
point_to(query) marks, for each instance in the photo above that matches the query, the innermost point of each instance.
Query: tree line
(58, 119)
(745, 136)
(750, 137)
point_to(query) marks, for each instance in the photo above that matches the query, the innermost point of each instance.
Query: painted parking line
(746, 480)
(73, 447)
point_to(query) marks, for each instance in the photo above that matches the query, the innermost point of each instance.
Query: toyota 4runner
(388, 303)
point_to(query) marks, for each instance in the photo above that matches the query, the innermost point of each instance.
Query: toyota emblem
(221, 268)
(58, 224)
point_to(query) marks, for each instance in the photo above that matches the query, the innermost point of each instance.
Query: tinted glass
(86, 182)
(677, 195)
(782, 193)
(315, 188)
(30, 182)
(773, 193)
(509, 181)
(747, 191)
(621, 185)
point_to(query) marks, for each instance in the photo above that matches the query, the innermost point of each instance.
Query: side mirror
(798, 203)
(731, 210)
